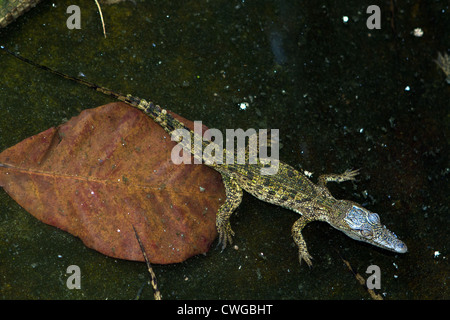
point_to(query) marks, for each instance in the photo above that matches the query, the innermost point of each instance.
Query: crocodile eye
(373, 218)
(366, 233)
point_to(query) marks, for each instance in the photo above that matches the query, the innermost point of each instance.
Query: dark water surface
(342, 96)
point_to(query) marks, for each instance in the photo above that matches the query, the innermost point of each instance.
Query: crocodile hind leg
(234, 197)
(347, 175)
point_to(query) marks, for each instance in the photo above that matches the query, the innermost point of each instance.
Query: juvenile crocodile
(287, 188)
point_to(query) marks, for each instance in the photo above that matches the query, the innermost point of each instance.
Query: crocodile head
(361, 224)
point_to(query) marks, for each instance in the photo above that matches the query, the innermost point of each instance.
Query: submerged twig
(392, 9)
(157, 293)
(361, 280)
(101, 17)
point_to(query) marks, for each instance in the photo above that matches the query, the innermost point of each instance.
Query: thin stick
(361, 281)
(101, 17)
(157, 294)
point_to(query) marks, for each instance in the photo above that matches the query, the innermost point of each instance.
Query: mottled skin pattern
(287, 188)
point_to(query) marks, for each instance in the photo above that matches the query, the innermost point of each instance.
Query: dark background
(342, 96)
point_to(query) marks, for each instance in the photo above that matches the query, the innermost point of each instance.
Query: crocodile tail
(172, 126)
(154, 111)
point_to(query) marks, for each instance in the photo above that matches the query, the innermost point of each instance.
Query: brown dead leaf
(109, 169)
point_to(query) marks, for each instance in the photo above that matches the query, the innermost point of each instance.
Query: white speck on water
(418, 32)
(243, 105)
(308, 174)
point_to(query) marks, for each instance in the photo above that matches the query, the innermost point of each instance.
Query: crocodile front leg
(298, 238)
(234, 197)
(347, 175)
